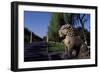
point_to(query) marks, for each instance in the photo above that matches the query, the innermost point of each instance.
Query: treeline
(59, 19)
(29, 36)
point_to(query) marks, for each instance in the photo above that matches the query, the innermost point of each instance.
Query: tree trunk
(83, 33)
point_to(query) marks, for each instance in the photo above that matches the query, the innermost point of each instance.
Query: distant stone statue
(71, 40)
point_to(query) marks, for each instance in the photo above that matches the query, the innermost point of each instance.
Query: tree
(82, 19)
(56, 22)
(69, 18)
(87, 34)
(75, 19)
(59, 19)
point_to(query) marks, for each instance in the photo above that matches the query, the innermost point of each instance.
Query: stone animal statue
(71, 40)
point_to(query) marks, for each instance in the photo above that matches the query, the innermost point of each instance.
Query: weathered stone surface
(72, 40)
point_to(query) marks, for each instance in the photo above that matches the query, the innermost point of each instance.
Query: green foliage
(55, 46)
(68, 18)
(56, 22)
(59, 19)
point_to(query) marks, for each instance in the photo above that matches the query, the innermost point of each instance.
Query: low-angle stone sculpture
(71, 40)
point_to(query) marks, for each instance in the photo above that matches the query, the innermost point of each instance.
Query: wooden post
(31, 37)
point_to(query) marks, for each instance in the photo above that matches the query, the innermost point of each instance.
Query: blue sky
(87, 23)
(38, 22)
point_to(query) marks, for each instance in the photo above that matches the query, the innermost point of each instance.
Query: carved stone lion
(71, 40)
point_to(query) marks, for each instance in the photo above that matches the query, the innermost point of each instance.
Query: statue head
(64, 30)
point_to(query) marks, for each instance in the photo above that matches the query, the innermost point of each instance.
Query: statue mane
(70, 31)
